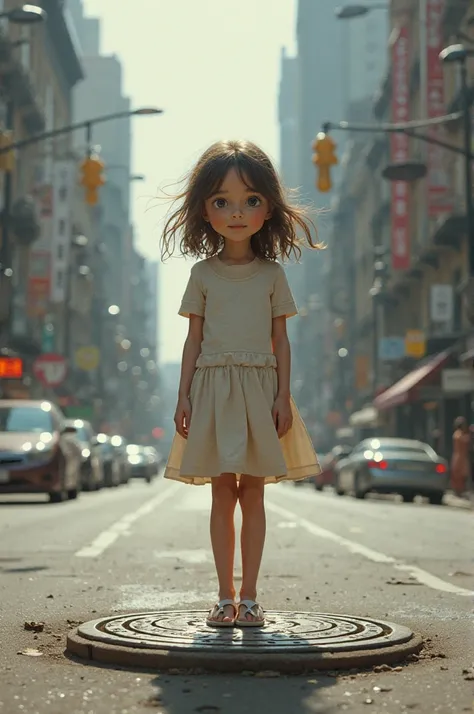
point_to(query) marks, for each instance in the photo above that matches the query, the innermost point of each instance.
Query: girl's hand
(282, 416)
(182, 417)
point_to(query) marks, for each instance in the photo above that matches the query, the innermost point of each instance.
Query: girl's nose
(236, 211)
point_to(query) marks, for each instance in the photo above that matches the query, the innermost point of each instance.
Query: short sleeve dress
(235, 382)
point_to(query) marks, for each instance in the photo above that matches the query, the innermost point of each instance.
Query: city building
(40, 67)
(403, 318)
(314, 90)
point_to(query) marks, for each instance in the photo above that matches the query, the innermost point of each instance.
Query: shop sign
(391, 348)
(457, 381)
(415, 344)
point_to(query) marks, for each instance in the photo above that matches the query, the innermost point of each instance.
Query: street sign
(50, 369)
(87, 358)
(391, 348)
(11, 368)
(415, 343)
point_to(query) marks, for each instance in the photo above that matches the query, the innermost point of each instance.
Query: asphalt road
(142, 547)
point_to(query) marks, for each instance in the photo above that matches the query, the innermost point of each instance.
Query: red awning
(402, 391)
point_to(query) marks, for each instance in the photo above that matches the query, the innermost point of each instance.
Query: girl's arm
(281, 349)
(191, 351)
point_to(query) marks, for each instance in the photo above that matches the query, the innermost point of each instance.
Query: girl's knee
(224, 490)
(251, 491)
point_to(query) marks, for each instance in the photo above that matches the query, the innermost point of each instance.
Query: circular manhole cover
(297, 632)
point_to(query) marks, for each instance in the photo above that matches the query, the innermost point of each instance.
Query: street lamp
(25, 15)
(460, 54)
(347, 12)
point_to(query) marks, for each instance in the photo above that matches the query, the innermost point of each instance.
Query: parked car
(155, 459)
(111, 461)
(92, 470)
(120, 446)
(140, 464)
(388, 465)
(38, 450)
(328, 466)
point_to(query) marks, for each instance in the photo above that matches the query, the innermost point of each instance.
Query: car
(111, 461)
(92, 470)
(120, 446)
(328, 466)
(390, 465)
(140, 464)
(155, 458)
(38, 450)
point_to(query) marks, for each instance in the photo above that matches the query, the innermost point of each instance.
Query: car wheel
(318, 487)
(339, 491)
(72, 493)
(358, 492)
(436, 499)
(408, 497)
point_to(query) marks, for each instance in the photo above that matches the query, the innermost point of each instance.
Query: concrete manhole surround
(290, 642)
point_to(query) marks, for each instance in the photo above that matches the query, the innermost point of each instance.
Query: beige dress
(235, 383)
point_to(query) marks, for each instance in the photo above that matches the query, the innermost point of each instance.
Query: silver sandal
(220, 611)
(249, 605)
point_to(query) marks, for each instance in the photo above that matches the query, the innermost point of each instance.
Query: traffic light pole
(38, 138)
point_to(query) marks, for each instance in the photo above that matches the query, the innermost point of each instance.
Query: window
(25, 419)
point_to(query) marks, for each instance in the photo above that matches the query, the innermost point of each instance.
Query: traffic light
(324, 157)
(7, 159)
(91, 178)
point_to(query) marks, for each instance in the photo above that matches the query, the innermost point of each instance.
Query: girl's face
(236, 211)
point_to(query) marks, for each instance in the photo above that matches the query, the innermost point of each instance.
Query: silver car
(388, 465)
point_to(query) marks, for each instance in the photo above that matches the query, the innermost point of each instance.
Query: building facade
(408, 334)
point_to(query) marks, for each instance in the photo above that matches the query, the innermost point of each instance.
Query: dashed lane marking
(105, 539)
(423, 576)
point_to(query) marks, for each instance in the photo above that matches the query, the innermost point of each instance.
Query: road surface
(142, 547)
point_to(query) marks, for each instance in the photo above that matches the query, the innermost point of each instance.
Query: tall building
(338, 64)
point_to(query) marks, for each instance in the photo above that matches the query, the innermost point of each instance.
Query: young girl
(237, 426)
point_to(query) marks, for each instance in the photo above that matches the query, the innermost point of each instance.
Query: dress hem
(298, 474)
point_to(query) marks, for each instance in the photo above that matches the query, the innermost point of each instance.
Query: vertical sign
(39, 283)
(439, 198)
(399, 151)
(63, 182)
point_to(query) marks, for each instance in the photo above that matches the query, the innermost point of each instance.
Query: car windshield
(25, 419)
(407, 447)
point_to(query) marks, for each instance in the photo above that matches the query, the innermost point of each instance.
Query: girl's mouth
(237, 226)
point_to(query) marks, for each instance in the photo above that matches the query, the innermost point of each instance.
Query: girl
(237, 426)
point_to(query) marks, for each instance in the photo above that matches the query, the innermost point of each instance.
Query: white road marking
(122, 526)
(431, 581)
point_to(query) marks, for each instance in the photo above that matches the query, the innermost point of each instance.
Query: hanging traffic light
(91, 178)
(7, 159)
(324, 157)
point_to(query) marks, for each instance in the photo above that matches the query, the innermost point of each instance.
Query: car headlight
(135, 460)
(40, 452)
(85, 453)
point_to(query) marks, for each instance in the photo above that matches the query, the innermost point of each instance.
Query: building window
(60, 252)
(457, 307)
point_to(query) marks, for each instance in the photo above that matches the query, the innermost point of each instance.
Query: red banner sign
(439, 195)
(399, 150)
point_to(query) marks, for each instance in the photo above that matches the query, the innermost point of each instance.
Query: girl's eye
(254, 201)
(220, 203)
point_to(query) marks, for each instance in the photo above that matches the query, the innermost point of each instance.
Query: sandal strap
(249, 604)
(222, 604)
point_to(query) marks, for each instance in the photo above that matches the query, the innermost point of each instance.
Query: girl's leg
(251, 498)
(224, 500)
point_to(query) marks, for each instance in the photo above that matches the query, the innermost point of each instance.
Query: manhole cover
(287, 632)
(290, 642)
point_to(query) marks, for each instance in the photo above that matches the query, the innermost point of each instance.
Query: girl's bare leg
(224, 501)
(251, 498)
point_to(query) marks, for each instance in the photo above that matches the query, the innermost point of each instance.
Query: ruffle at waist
(236, 359)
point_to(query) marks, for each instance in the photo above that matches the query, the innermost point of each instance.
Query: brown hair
(277, 237)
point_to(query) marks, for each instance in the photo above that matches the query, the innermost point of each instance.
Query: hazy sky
(214, 66)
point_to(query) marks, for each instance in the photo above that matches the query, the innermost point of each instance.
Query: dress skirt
(232, 429)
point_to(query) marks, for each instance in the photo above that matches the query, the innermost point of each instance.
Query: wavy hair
(278, 237)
